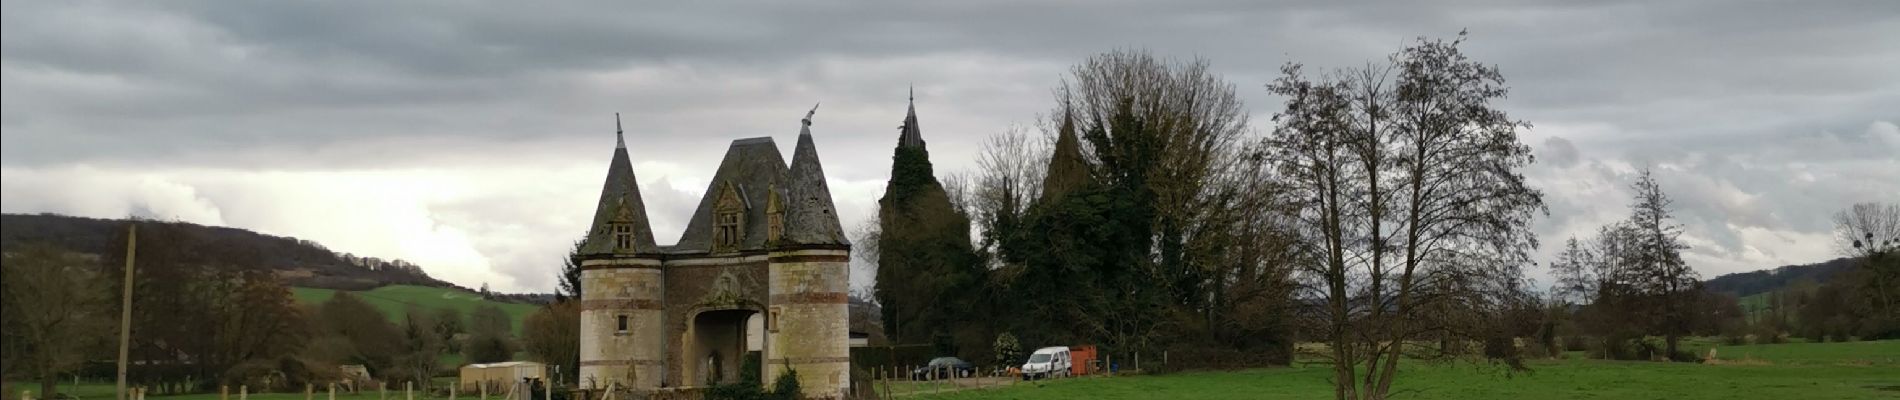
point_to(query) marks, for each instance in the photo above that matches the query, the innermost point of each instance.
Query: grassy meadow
(1820, 371)
(392, 300)
(1853, 370)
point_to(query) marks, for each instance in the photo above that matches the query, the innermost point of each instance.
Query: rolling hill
(297, 262)
(393, 300)
(313, 272)
(1746, 284)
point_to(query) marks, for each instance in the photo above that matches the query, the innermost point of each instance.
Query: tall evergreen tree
(571, 273)
(926, 264)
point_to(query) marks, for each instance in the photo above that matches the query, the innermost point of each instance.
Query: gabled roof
(810, 217)
(619, 198)
(752, 166)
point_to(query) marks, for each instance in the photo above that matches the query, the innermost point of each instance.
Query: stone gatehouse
(762, 266)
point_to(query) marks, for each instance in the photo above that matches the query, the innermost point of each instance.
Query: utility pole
(125, 306)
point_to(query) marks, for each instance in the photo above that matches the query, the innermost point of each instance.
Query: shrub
(786, 386)
(736, 391)
(488, 348)
(1008, 349)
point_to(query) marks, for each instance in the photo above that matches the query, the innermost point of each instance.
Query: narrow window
(726, 230)
(623, 323)
(771, 320)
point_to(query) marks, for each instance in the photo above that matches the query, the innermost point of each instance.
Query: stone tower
(762, 267)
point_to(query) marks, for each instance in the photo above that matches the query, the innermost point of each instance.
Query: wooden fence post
(244, 392)
(382, 390)
(224, 392)
(332, 390)
(452, 388)
(484, 386)
(309, 391)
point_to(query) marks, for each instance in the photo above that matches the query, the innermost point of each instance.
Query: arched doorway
(717, 344)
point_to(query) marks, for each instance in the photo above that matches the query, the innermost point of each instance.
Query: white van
(1047, 362)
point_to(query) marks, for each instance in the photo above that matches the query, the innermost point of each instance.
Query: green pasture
(393, 300)
(1853, 370)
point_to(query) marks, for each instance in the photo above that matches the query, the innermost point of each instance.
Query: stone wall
(701, 285)
(808, 323)
(611, 289)
(804, 294)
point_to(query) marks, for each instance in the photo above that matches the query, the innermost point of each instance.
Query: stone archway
(715, 345)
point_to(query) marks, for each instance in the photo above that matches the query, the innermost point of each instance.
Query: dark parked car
(943, 367)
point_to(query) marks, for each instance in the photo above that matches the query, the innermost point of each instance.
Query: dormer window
(623, 237)
(728, 219)
(727, 231)
(621, 226)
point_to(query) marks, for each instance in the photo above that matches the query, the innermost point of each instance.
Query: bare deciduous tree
(1009, 177)
(1867, 228)
(1871, 232)
(1576, 281)
(552, 335)
(1412, 203)
(56, 306)
(1657, 260)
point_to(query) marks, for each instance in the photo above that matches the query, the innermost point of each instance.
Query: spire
(810, 217)
(620, 136)
(620, 204)
(805, 128)
(1066, 171)
(910, 135)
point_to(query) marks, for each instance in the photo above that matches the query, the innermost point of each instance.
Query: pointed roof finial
(620, 139)
(808, 114)
(909, 134)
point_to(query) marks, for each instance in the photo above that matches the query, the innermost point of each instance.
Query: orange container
(1080, 359)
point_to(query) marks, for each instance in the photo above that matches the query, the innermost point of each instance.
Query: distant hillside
(298, 262)
(394, 300)
(1752, 283)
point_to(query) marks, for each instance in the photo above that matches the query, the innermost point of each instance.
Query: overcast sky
(472, 138)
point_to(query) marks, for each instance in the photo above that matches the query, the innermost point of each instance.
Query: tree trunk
(49, 383)
(1670, 345)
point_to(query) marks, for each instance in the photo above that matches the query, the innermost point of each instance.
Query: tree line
(1385, 207)
(204, 316)
(1383, 215)
(1138, 225)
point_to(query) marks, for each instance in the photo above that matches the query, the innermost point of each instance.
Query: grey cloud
(1558, 152)
(1768, 100)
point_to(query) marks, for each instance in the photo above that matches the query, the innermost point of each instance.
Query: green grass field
(1855, 370)
(1753, 305)
(104, 391)
(394, 299)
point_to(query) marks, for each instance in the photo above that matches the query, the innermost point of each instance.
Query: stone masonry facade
(763, 261)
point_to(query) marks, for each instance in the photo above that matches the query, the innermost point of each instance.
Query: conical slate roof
(910, 135)
(619, 201)
(1066, 171)
(810, 217)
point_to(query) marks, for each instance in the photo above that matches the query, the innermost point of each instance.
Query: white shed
(500, 376)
